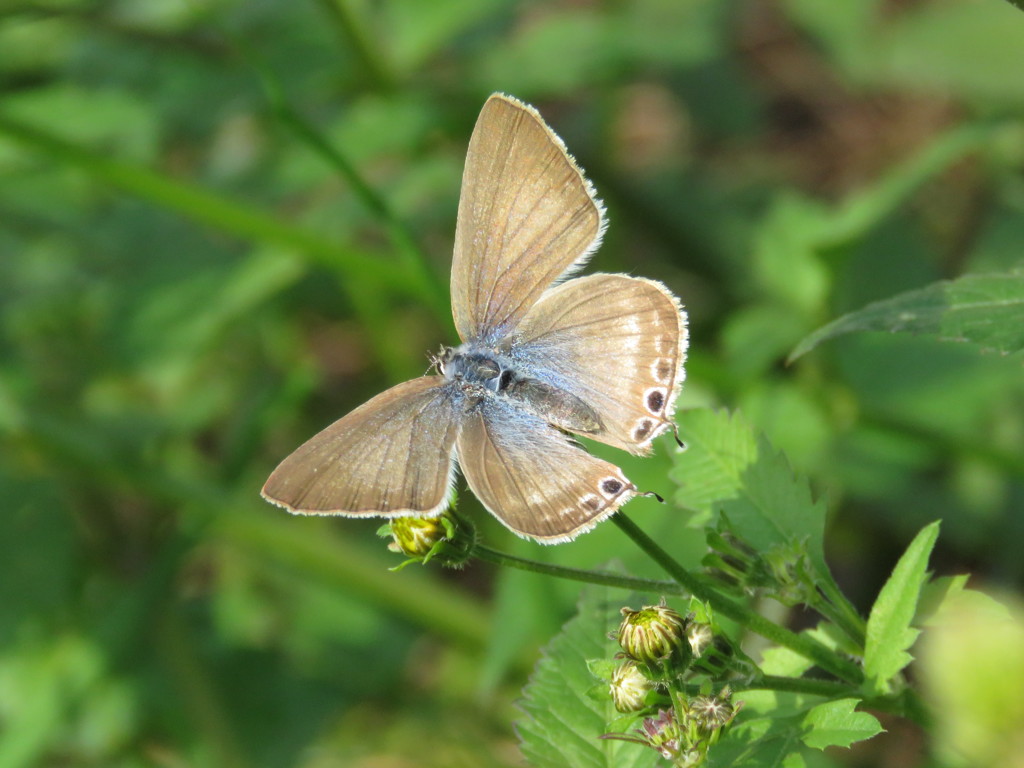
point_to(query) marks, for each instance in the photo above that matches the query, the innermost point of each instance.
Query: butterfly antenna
(675, 434)
(652, 493)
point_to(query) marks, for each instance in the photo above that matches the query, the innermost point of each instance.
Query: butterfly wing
(618, 344)
(391, 456)
(533, 478)
(526, 216)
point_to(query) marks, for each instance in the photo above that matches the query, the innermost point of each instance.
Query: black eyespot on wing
(655, 401)
(643, 430)
(611, 486)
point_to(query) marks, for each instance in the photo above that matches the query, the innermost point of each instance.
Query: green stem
(805, 646)
(413, 259)
(837, 609)
(203, 206)
(603, 578)
(813, 686)
(352, 31)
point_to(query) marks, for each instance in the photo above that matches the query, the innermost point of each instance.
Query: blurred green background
(224, 224)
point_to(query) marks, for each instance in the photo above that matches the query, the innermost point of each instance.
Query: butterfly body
(544, 356)
(472, 367)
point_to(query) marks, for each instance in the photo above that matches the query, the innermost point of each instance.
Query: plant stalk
(805, 646)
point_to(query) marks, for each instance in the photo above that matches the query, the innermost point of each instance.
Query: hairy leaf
(889, 631)
(563, 721)
(836, 724)
(987, 310)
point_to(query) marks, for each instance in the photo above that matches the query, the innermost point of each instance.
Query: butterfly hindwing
(533, 478)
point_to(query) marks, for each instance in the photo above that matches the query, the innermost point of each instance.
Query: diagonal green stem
(412, 257)
(603, 578)
(202, 205)
(351, 30)
(834, 606)
(413, 260)
(805, 646)
(813, 686)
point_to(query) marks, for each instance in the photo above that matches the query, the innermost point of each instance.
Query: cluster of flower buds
(782, 572)
(444, 538)
(658, 646)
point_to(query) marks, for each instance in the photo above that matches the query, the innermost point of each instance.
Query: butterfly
(543, 357)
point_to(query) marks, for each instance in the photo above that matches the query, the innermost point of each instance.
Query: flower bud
(655, 636)
(629, 687)
(710, 714)
(663, 734)
(421, 539)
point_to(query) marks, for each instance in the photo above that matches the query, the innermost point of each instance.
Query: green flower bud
(655, 636)
(629, 687)
(710, 714)
(449, 539)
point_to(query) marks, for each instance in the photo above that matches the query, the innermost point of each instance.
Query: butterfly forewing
(526, 215)
(615, 342)
(391, 456)
(532, 478)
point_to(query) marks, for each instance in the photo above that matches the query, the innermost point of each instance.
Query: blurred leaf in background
(224, 224)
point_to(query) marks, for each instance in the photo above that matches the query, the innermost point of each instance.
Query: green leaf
(720, 448)
(563, 721)
(769, 741)
(775, 507)
(836, 724)
(727, 466)
(987, 310)
(889, 631)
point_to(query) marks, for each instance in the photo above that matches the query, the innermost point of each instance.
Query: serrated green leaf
(761, 742)
(727, 468)
(837, 724)
(889, 631)
(987, 310)
(720, 447)
(563, 722)
(774, 507)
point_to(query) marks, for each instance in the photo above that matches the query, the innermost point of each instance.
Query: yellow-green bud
(655, 636)
(449, 539)
(416, 536)
(629, 687)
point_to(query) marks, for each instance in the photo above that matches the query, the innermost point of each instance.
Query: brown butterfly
(599, 356)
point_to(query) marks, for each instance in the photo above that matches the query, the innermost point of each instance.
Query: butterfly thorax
(491, 374)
